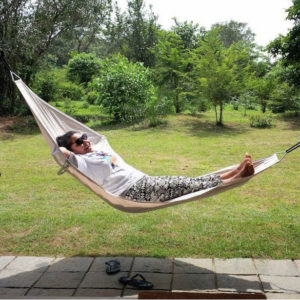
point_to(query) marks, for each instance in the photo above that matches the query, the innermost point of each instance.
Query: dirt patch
(7, 122)
(22, 125)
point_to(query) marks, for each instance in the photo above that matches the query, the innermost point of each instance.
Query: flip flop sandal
(113, 266)
(138, 283)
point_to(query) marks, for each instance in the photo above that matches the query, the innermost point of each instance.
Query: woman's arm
(65, 151)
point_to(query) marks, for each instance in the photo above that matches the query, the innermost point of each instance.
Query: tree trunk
(220, 120)
(221, 115)
(177, 106)
(216, 113)
(263, 106)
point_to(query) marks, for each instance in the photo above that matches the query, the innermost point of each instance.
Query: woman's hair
(65, 140)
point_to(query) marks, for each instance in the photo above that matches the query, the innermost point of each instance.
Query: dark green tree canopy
(188, 32)
(288, 47)
(29, 28)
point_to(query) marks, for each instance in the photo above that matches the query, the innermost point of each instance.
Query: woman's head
(75, 142)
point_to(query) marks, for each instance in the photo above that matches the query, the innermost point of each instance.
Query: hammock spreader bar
(293, 148)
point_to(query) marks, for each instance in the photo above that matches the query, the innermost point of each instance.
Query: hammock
(53, 123)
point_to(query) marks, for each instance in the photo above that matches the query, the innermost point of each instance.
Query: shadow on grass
(86, 276)
(291, 119)
(192, 125)
(198, 126)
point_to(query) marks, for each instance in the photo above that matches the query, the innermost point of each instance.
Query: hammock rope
(53, 122)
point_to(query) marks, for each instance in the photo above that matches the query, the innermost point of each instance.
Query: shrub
(158, 108)
(70, 90)
(82, 67)
(85, 105)
(124, 89)
(91, 97)
(261, 121)
(46, 88)
(235, 103)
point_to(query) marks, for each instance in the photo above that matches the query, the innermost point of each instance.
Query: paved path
(86, 277)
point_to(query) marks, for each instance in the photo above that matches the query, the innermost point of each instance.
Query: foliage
(28, 29)
(69, 90)
(261, 121)
(133, 33)
(45, 87)
(157, 108)
(219, 73)
(141, 34)
(262, 88)
(187, 32)
(91, 97)
(124, 89)
(232, 32)
(82, 67)
(284, 98)
(171, 68)
(287, 47)
(247, 100)
(53, 85)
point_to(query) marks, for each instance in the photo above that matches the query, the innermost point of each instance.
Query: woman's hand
(65, 151)
(113, 160)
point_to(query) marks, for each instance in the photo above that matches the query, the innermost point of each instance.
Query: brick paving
(28, 276)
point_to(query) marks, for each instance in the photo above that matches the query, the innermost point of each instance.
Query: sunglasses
(80, 140)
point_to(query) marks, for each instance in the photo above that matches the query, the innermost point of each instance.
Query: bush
(46, 88)
(70, 90)
(284, 98)
(235, 104)
(82, 67)
(92, 97)
(124, 89)
(261, 121)
(52, 85)
(85, 105)
(158, 108)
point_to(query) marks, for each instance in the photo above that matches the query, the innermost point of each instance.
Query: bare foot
(247, 157)
(238, 169)
(248, 170)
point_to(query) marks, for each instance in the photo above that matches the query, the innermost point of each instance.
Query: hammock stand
(53, 123)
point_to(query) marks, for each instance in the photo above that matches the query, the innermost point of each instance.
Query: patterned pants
(164, 188)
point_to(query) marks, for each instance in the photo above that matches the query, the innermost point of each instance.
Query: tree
(283, 98)
(233, 32)
(171, 67)
(187, 31)
(141, 32)
(218, 72)
(29, 28)
(114, 35)
(288, 47)
(263, 88)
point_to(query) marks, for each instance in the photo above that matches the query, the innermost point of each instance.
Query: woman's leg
(164, 188)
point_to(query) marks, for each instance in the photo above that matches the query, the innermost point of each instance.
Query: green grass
(42, 213)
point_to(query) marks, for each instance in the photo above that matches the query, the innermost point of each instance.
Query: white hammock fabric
(53, 123)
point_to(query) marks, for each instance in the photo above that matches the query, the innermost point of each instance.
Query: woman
(120, 179)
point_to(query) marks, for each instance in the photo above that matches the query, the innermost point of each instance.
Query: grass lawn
(42, 213)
